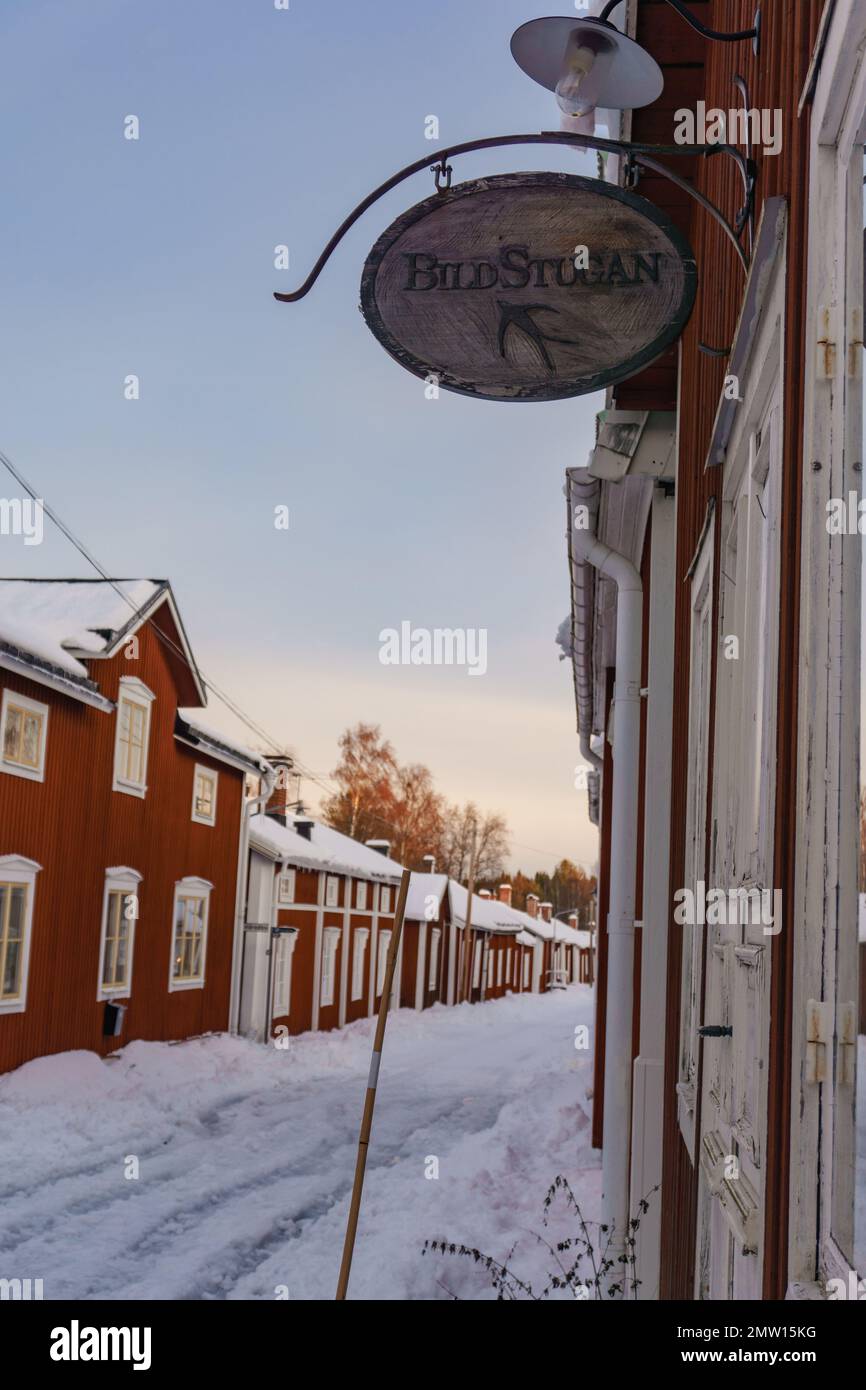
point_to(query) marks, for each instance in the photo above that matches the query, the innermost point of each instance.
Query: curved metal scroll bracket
(639, 154)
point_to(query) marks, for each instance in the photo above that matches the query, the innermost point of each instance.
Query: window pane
(32, 727)
(12, 733)
(11, 969)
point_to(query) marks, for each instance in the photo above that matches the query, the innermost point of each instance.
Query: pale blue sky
(156, 258)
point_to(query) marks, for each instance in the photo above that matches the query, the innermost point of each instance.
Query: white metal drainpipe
(623, 869)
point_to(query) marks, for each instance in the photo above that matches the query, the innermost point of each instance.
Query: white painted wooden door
(743, 913)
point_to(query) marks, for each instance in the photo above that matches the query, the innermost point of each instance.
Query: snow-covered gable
(422, 887)
(58, 620)
(326, 849)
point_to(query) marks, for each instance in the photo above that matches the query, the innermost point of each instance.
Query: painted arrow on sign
(518, 316)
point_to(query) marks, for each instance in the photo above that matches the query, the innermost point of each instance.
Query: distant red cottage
(120, 819)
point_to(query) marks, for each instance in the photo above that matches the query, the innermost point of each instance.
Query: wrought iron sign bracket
(637, 155)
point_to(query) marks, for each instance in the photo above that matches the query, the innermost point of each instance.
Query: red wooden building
(119, 823)
(319, 918)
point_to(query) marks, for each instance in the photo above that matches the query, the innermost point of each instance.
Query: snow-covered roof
(326, 849)
(526, 938)
(487, 913)
(536, 925)
(421, 887)
(56, 620)
(566, 933)
(215, 744)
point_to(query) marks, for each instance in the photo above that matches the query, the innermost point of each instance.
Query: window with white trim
(508, 967)
(332, 891)
(359, 957)
(132, 736)
(189, 938)
(361, 896)
(286, 888)
(17, 888)
(499, 963)
(491, 969)
(526, 969)
(433, 964)
(284, 946)
(382, 960)
(384, 898)
(24, 724)
(119, 916)
(330, 945)
(204, 795)
(476, 964)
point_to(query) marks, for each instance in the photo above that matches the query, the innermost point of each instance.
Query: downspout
(623, 869)
(238, 945)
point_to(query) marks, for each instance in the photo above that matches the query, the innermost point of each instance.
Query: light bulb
(581, 84)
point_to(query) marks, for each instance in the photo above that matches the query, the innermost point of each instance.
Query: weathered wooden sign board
(529, 287)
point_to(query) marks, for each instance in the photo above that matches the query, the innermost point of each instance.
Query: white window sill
(115, 993)
(30, 774)
(203, 820)
(13, 1006)
(178, 985)
(130, 788)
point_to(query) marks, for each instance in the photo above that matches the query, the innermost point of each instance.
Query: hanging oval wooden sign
(529, 287)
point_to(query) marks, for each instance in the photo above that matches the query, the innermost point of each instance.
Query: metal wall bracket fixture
(643, 155)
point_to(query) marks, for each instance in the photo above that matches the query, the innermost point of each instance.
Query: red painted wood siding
(76, 827)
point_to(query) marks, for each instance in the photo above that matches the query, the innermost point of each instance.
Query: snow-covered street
(245, 1157)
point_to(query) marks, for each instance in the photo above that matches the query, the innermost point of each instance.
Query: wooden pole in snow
(466, 992)
(372, 1081)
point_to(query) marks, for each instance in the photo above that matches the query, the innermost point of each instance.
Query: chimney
(304, 828)
(546, 911)
(281, 797)
(505, 894)
(532, 904)
(430, 861)
(380, 846)
(572, 921)
(484, 893)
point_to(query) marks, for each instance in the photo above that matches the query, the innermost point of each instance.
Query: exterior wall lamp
(588, 63)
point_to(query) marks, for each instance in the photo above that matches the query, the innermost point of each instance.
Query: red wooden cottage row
(144, 895)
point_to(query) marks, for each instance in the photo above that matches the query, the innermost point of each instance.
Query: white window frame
(330, 946)
(284, 949)
(433, 963)
(476, 964)
(359, 961)
(332, 891)
(525, 969)
(136, 693)
(491, 969)
(17, 870)
(31, 774)
(189, 888)
(286, 885)
(500, 952)
(384, 898)
(361, 896)
(125, 881)
(213, 776)
(382, 945)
